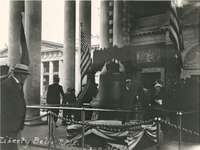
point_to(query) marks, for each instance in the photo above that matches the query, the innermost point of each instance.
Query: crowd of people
(181, 95)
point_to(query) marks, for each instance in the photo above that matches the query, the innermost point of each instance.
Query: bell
(111, 87)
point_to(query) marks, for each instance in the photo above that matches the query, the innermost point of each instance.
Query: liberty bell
(111, 87)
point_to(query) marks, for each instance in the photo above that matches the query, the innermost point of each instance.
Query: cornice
(52, 54)
(148, 32)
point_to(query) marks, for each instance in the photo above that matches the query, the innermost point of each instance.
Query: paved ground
(38, 135)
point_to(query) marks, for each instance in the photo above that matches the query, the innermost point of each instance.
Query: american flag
(85, 56)
(175, 28)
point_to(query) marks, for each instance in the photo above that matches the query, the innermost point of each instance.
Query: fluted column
(50, 72)
(41, 79)
(118, 24)
(33, 37)
(104, 24)
(69, 44)
(15, 19)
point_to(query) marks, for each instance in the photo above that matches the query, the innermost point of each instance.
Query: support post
(50, 130)
(179, 124)
(158, 132)
(83, 129)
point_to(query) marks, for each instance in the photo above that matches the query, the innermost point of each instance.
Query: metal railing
(158, 120)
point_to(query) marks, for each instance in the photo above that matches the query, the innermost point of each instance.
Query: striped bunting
(85, 56)
(176, 26)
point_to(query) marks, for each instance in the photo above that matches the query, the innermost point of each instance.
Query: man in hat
(128, 99)
(13, 106)
(53, 95)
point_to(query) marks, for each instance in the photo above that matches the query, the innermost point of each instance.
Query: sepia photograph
(99, 74)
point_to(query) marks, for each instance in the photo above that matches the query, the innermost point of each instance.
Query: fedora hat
(158, 85)
(21, 68)
(129, 80)
(56, 79)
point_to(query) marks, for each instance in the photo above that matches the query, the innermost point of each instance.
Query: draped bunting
(127, 139)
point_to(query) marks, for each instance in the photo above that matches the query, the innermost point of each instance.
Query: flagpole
(80, 55)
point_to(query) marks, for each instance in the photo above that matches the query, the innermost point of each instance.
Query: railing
(83, 123)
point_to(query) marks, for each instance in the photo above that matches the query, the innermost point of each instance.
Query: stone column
(33, 37)
(50, 72)
(69, 45)
(41, 79)
(85, 19)
(60, 72)
(15, 19)
(104, 24)
(118, 24)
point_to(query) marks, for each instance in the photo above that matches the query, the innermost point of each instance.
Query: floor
(38, 136)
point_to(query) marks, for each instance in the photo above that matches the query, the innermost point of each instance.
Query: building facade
(122, 23)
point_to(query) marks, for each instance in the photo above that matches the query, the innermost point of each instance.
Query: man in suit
(13, 106)
(53, 95)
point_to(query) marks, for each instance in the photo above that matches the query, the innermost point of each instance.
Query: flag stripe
(174, 36)
(175, 32)
(176, 27)
(85, 56)
(85, 69)
(84, 64)
(85, 60)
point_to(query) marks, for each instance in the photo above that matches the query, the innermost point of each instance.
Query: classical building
(51, 61)
(148, 32)
(142, 25)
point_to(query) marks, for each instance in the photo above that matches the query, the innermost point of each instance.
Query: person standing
(128, 100)
(70, 98)
(53, 95)
(158, 98)
(13, 106)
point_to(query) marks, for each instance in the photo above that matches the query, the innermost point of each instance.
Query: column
(85, 19)
(118, 24)
(50, 72)
(104, 24)
(127, 22)
(69, 45)
(33, 37)
(60, 72)
(15, 19)
(41, 79)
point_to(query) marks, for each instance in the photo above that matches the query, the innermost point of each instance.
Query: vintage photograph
(99, 74)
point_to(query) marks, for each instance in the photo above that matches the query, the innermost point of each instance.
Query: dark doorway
(148, 79)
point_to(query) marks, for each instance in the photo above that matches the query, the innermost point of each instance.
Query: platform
(40, 132)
